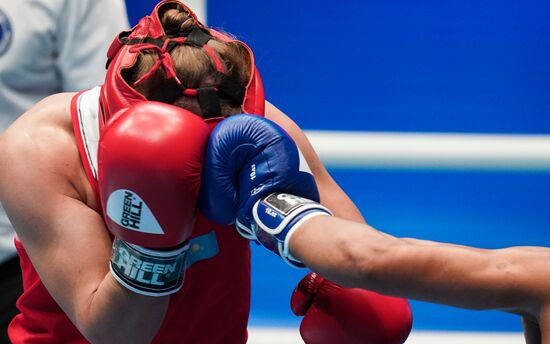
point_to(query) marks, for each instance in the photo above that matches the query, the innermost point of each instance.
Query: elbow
(94, 334)
(119, 331)
(124, 323)
(95, 331)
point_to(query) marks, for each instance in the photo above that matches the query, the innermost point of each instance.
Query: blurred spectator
(46, 47)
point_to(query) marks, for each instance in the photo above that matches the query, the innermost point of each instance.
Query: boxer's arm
(41, 187)
(332, 196)
(373, 252)
(356, 255)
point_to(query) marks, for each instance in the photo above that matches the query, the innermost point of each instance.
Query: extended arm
(480, 278)
(357, 255)
(274, 202)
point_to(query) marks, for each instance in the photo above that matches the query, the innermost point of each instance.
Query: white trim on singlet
(87, 107)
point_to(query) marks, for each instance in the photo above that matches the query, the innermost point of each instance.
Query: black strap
(198, 37)
(169, 93)
(229, 88)
(156, 41)
(209, 102)
(171, 46)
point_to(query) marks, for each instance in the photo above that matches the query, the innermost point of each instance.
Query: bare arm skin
(513, 279)
(544, 323)
(332, 196)
(50, 203)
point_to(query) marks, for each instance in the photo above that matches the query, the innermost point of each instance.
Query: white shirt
(46, 47)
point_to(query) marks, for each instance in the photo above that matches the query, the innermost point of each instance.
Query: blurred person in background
(46, 47)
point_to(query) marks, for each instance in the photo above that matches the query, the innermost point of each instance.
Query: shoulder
(44, 126)
(332, 196)
(39, 147)
(274, 114)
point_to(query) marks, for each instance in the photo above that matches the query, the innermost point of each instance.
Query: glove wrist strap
(147, 271)
(278, 216)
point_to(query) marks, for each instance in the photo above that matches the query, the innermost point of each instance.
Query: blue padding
(202, 247)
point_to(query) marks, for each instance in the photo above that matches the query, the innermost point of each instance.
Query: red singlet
(213, 305)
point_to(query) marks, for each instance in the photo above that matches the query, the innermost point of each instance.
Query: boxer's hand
(149, 165)
(333, 314)
(249, 157)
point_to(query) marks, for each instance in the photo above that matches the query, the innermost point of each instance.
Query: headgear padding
(116, 94)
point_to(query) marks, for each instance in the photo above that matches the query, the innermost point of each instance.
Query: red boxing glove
(149, 165)
(333, 314)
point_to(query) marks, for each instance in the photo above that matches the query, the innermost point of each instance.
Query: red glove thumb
(333, 314)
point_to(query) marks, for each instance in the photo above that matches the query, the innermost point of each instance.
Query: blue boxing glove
(252, 173)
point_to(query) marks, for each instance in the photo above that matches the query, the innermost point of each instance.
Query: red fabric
(212, 307)
(41, 320)
(164, 59)
(214, 57)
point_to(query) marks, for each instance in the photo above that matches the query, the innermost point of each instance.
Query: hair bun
(176, 21)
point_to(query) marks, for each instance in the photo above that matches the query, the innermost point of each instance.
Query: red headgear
(149, 34)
